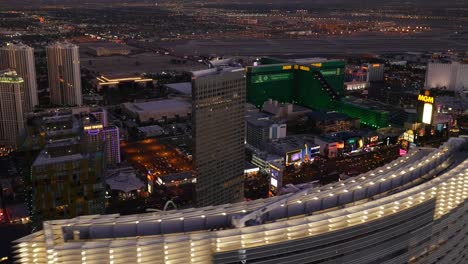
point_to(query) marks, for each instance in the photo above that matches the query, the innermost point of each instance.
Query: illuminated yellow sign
(375, 65)
(426, 99)
(305, 68)
(93, 127)
(318, 65)
(287, 67)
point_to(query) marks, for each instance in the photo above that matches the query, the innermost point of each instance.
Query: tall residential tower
(63, 62)
(20, 58)
(11, 108)
(218, 99)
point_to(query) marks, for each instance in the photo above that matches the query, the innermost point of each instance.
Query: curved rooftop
(437, 176)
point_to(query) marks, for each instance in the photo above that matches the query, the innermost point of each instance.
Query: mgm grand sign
(426, 108)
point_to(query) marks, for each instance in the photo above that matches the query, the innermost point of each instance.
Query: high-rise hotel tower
(20, 57)
(63, 62)
(11, 108)
(218, 99)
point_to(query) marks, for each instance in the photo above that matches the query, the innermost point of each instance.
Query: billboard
(426, 107)
(427, 113)
(276, 179)
(293, 156)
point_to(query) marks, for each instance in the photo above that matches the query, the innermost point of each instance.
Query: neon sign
(426, 99)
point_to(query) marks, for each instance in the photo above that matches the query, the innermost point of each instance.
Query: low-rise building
(284, 111)
(328, 122)
(115, 80)
(151, 131)
(158, 110)
(260, 129)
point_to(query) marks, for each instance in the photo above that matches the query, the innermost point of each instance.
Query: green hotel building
(312, 83)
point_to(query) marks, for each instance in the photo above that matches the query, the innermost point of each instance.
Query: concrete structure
(11, 108)
(375, 72)
(263, 160)
(452, 76)
(218, 98)
(260, 130)
(20, 58)
(284, 111)
(63, 62)
(158, 110)
(411, 210)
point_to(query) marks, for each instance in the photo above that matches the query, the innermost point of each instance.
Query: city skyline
(214, 131)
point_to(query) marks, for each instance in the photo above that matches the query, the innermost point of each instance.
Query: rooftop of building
(146, 129)
(59, 151)
(183, 87)
(10, 76)
(106, 45)
(216, 71)
(369, 104)
(260, 122)
(328, 116)
(14, 46)
(166, 105)
(122, 77)
(338, 136)
(62, 45)
(290, 143)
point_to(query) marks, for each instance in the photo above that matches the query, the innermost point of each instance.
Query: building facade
(261, 131)
(452, 76)
(63, 62)
(313, 83)
(20, 57)
(67, 180)
(375, 72)
(98, 134)
(11, 108)
(218, 101)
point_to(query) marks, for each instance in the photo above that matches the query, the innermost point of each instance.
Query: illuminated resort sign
(272, 77)
(425, 98)
(93, 127)
(427, 108)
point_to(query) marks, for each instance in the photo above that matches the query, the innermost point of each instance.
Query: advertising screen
(274, 182)
(293, 156)
(274, 173)
(427, 114)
